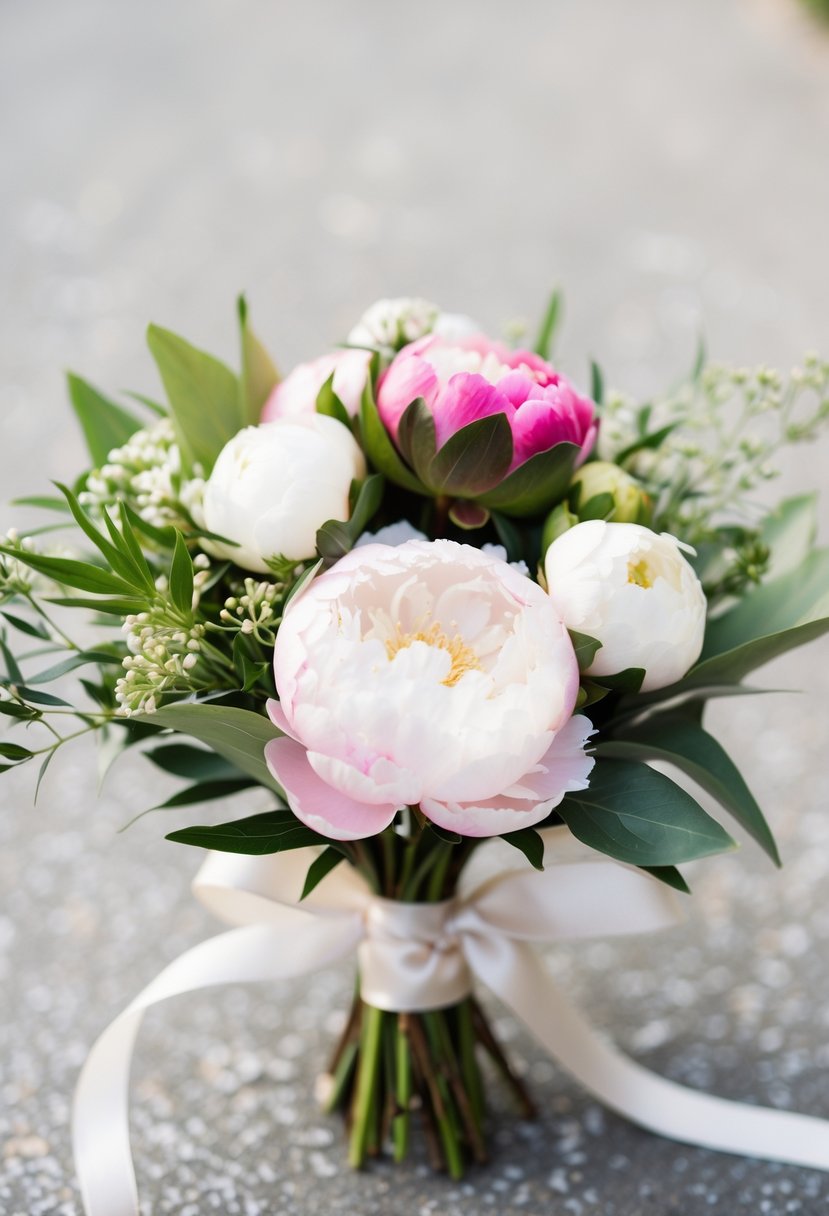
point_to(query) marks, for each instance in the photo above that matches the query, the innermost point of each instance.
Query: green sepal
(537, 484)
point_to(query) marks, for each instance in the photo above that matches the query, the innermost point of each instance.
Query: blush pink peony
(470, 378)
(432, 675)
(297, 393)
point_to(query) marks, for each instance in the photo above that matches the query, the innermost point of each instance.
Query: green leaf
(105, 425)
(116, 555)
(40, 698)
(82, 575)
(302, 582)
(646, 443)
(528, 842)
(777, 617)
(181, 577)
(549, 325)
(473, 460)
(12, 709)
(32, 628)
(337, 537)
(509, 536)
(82, 659)
(536, 484)
(379, 448)
(417, 436)
(586, 648)
(320, 868)
(271, 832)
(42, 501)
(367, 504)
(681, 741)
(192, 763)
(13, 751)
(12, 667)
(789, 531)
(600, 506)
(590, 693)
(259, 375)
(670, 875)
(128, 541)
(237, 734)
(204, 791)
(203, 394)
(596, 383)
(627, 681)
(113, 606)
(328, 403)
(637, 815)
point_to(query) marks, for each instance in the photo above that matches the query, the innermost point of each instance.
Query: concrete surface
(666, 162)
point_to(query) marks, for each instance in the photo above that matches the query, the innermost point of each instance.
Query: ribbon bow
(414, 957)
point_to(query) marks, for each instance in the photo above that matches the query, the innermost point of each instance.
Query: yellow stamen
(639, 573)
(463, 657)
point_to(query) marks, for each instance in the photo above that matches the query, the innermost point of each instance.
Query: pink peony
(470, 378)
(297, 393)
(428, 674)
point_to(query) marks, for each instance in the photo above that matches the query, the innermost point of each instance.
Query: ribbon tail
(514, 972)
(100, 1115)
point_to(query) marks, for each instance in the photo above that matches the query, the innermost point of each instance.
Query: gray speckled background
(667, 162)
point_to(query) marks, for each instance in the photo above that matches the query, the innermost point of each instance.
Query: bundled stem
(389, 1066)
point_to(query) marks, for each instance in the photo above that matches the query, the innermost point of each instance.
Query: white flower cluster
(146, 471)
(392, 324)
(252, 611)
(165, 652)
(15, 577)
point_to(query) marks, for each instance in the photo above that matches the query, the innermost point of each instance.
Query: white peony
(633, 590)
(274, 485)
(428, 674)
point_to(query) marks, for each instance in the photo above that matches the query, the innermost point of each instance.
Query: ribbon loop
(425, 956)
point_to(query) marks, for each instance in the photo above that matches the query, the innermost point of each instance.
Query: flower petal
(319, 806)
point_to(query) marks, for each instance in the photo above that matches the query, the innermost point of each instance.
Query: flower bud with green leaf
(602, 490)
(472, 420)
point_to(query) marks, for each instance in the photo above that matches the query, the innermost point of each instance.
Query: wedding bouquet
(421, 593)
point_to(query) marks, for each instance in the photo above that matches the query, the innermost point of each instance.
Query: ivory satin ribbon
(425, 956)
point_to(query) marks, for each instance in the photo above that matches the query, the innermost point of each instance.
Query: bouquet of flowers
(422, 592)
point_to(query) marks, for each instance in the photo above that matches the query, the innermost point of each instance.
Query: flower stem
(371, 1041)
(403, 1089)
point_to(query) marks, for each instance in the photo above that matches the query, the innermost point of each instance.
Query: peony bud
(631, 505)
(634, 592)
(275, 484)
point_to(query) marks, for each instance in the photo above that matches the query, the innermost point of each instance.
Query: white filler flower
(633, 590)
(274, 485)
